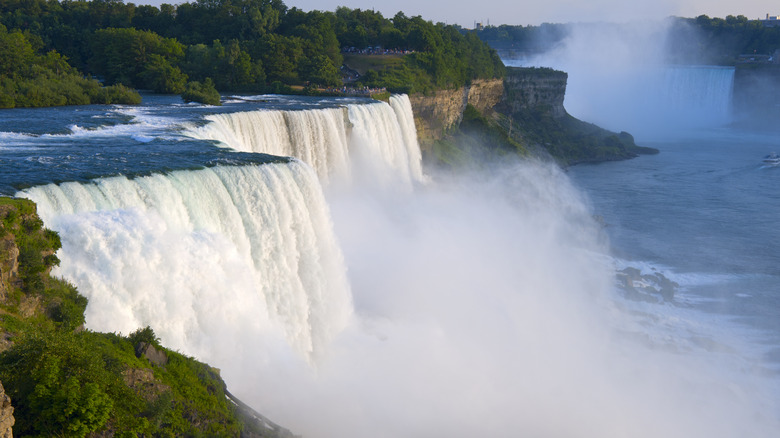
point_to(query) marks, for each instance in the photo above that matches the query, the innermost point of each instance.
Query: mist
(484, 305)
(641, 77)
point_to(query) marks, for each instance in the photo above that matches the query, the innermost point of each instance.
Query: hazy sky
(466, 12)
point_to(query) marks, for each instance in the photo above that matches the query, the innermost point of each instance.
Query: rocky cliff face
(535, 89)
(6, 415)
(521, 89)
(523, 112)
(435, 114)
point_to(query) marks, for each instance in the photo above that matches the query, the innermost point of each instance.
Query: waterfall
(384, 139)
(187, 251)
(651, 101)
(703, 93)
(318, 136)
(379, 135)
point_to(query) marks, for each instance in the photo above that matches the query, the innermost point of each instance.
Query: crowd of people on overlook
(375, 50)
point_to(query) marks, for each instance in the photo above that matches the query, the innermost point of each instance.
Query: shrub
(202, 93)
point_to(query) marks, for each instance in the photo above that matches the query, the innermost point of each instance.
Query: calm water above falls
(44, 145)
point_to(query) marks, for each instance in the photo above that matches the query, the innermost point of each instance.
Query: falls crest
(378, 134)
(189, 250)
(704, 93)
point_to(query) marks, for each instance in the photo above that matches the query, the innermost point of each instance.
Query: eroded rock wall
(535, 89)
(521, 89)
(437, 113)
(6, 415)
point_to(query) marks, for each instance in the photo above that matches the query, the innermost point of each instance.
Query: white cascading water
(403, 111)
(223, 250)
(383, 137)
(700, 89)
(317, 137)
(380, 136)
(653, 100)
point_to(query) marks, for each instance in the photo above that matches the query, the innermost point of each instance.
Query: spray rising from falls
(702, 92)
(188, 251)
(646, 100)
(378, 135)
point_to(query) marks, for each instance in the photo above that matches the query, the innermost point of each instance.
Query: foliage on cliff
(571, 141)
(244, 45)
(67, 381)
(476, 140)
(31, 79)
(442, 56)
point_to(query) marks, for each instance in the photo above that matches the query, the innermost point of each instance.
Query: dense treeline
(529, 39)
(244, 45)
(30, 79)
(701, 40)
(721, 41)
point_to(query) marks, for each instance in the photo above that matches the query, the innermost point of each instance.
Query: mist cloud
(484, 307)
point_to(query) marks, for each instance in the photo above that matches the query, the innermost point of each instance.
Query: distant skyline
(466, 13)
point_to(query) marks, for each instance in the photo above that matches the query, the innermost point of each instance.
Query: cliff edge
(522, 113)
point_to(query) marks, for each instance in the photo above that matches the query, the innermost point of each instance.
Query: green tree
(202, 92)
(162, 77)
(58, 385)
(122, 55)
(320, 70)
(16, 52)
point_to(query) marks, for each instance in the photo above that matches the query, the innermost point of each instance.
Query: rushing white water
(703, 93)
(191, 251)
(317, 136)
(384, 140)
(380, 136)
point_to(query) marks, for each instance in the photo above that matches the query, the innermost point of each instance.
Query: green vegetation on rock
(202, 93)
(67, 381)
(476, 140)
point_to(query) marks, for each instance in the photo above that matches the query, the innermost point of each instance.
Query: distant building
(771, 20)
